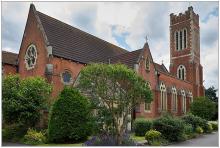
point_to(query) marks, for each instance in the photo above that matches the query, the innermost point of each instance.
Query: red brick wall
(33, 35)
(60, 65)
(150, 77)
(9, 69)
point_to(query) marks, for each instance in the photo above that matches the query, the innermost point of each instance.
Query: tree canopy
(211, 94)
(115, 88)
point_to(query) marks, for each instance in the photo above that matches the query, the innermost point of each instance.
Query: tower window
(184, 38)
(181, 72)
(163, 97)
(177, 41)
(181, 36)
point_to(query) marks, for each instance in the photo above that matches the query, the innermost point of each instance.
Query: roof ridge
(81, 31)
(9, 52)
(125, 53)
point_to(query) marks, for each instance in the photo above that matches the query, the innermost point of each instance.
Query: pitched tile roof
(9, 58)
(161, 68)
(71, 43)
(129, 58)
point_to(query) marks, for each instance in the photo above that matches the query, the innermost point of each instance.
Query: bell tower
(185, 49)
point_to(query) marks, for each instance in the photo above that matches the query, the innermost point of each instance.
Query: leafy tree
(116, 88)
(69, 117)
(23, 99)
(211, 94)
(203, 107)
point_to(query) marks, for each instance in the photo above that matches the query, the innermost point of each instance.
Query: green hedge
(171, 128)
(195, 121)
(141, 126)
(69, 117)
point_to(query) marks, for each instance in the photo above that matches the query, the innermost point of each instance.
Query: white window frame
(182, 70)
(147, 61)
(28, 67)
(147, 110)
(183, 101)
(163, 97)
(71, 79)
(174, 99)
(190, 97)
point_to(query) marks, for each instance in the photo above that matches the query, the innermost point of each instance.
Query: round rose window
(31, 57)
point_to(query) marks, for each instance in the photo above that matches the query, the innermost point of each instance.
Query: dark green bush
(141, 126)
(32, 137)
(188, 129)
(171, 128)
(203, 107)
(13, 132)
(69, 117)
(195, 121)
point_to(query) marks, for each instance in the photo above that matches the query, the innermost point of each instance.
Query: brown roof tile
(129, 58)
(71, 43)
(161, 68)
(9, 58)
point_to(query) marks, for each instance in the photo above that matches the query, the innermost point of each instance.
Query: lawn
(137, 138)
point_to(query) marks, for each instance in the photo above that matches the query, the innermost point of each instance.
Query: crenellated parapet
(181, 17)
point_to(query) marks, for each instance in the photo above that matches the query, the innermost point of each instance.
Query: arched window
(190, 97)
(177, 40)
(181, 40)
(181, 72)
(174, 99)
(147, 64)
(147, 105)
(163, 97)
(30, 56)
(183, 101)
(66, 78)
(184, 38)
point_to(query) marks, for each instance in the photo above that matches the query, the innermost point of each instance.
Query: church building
(57, 51)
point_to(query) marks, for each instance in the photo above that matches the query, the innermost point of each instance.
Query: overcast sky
(125, 24)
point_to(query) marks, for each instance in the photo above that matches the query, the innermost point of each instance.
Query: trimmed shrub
(199, 130)
(195, 121)
(209, 128)
(188, 129)
(141, 126)
(34, 138)
(171, 129)
(214, 125)
(69, 117)
(153, 136)
(203, 107)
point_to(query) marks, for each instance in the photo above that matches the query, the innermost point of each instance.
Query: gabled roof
(129, 58)
(9, 58)
(74, 44)
(161, 68)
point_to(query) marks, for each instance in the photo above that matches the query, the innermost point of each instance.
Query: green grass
(137, 138)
